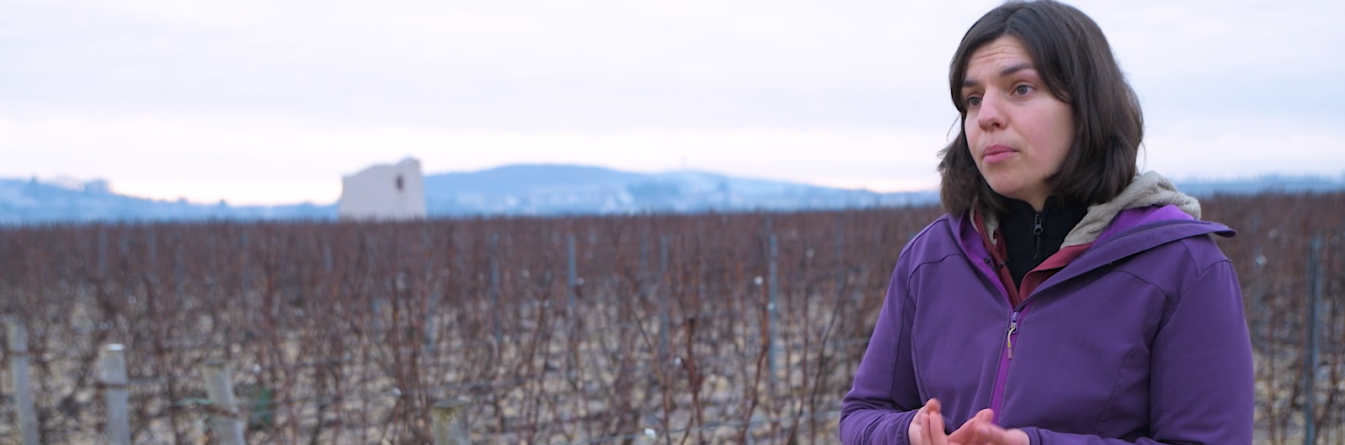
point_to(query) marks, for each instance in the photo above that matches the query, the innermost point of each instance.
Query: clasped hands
(927, 429)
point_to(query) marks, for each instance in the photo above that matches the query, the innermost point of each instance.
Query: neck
(1037, 202)
(1033, 233)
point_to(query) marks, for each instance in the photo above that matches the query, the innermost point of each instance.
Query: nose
(990, 116)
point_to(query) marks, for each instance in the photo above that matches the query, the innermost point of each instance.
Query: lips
(997, 153)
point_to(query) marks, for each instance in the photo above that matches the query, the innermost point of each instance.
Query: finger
(970, 432)
(931, 433)
(985, 416)
(993, 434)
(987, 434)
(967, 434)
(1017, 437)
(936, 430)
(918, 432)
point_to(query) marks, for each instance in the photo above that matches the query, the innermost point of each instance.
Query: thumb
(999, 436)
(986, 415)
(970, 431)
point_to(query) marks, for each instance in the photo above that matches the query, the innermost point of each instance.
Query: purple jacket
(1141, 339)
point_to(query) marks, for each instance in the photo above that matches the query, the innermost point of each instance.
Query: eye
(1022, 89)
(973, 101)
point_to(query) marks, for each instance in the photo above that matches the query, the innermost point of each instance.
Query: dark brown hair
(1077, 66)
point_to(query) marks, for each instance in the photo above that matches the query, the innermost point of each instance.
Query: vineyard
(667, 329)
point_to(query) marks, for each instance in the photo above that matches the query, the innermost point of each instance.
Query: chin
(1007, 190)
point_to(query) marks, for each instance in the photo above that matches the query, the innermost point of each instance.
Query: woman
(1064, 299)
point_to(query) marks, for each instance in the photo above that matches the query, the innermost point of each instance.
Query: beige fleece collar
(1148, 189)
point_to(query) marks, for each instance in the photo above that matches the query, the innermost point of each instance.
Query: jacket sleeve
(1202, 383)
(879, 407)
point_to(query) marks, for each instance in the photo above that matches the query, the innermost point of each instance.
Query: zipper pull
(1008, 337)
(1036, 237)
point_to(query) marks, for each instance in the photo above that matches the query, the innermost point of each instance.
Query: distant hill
(532, 189)
(1269, 183)
(567, 189)
(35, 202)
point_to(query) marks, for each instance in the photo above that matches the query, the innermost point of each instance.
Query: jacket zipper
(1006, 357)
(1036, 237)
(1019, 313)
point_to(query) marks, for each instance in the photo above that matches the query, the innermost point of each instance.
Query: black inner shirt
(1030, 237)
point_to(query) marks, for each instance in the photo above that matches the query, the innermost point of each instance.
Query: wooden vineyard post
(18, 365)
(1310, 361)
(450, 422)
(225, 418)
(112, 364)
(773, 316)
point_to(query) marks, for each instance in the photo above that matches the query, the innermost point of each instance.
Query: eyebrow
(966, 83)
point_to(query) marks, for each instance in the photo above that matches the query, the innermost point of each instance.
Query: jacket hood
(1147, 190)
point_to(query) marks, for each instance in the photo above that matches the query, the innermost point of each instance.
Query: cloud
(842, 92)
(526, 65)
(1246, 146)
(278, 161)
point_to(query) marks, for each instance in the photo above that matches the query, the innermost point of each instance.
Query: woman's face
(1018, 132)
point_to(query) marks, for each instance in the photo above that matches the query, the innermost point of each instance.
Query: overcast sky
(265, 102)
